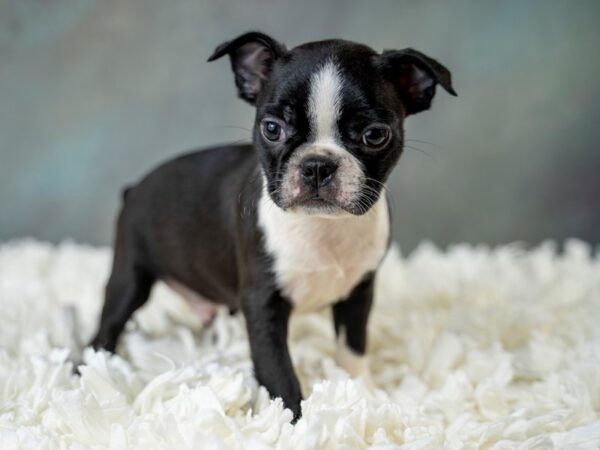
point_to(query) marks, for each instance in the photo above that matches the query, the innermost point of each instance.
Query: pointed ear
(415, 76)
(252, 56)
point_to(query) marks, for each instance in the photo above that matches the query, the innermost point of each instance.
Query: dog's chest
(318, 260)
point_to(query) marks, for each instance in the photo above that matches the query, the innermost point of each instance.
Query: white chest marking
(319, 259)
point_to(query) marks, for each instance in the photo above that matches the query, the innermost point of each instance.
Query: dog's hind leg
(128, 289)
(124, 294)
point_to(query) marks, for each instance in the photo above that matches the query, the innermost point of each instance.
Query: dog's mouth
(316, 203)
(341, 196)
(311, 199)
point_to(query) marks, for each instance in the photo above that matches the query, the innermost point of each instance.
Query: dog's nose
(317, 171)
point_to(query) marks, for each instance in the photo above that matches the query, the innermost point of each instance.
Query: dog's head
(329, 116)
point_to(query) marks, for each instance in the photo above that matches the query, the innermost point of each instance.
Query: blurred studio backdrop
(94, 93)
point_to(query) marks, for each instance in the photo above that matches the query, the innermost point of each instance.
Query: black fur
(350, 316)
(194, 219)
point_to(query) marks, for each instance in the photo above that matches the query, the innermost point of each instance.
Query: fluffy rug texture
(471, 348)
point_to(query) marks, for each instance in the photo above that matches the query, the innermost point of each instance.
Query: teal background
(95, 93)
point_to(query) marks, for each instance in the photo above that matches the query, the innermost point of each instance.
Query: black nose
(317, 171)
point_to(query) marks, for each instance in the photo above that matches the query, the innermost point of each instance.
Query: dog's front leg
(267, 315)
(350, 317)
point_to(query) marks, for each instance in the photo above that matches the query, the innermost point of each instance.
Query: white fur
(355, 364)
(324, 109)
(349, 176)
(319, 259)
(324, 103)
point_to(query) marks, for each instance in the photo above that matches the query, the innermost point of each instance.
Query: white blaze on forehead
(324, 103)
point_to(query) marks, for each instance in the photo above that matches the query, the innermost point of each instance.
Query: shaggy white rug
(472, 348)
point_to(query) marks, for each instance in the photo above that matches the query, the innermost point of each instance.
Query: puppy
(298, 220)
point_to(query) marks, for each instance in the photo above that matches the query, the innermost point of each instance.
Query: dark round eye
(272, 131)
(376, 136)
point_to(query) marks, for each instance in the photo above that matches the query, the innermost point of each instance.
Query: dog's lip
(313, 199)
(320, 205)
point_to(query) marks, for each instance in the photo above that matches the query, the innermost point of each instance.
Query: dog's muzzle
(317, 171)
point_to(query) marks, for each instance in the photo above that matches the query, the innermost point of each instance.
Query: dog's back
(189, 193)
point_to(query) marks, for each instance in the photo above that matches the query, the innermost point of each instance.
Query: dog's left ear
(415, 76)
(252, 56)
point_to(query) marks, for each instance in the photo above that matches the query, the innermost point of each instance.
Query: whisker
(422, 142)
(418, 150)
(239, 141)
(234, 127)
(376, 182)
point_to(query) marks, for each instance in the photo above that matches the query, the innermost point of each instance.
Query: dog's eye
(272, 131)
(376, 136)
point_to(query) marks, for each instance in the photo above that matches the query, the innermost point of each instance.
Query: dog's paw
(356, 365)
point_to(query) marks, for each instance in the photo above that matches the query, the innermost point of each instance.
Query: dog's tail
(125, 192)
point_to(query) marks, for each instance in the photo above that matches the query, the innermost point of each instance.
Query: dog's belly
(318, 259)
(204, 308)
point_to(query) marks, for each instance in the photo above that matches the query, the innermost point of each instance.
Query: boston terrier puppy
(294, 222)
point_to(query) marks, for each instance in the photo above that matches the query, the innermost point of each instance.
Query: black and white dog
(295, 222)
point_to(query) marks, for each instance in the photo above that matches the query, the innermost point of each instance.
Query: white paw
(355, 364)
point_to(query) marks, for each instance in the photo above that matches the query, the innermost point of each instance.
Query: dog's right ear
(252, 56)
